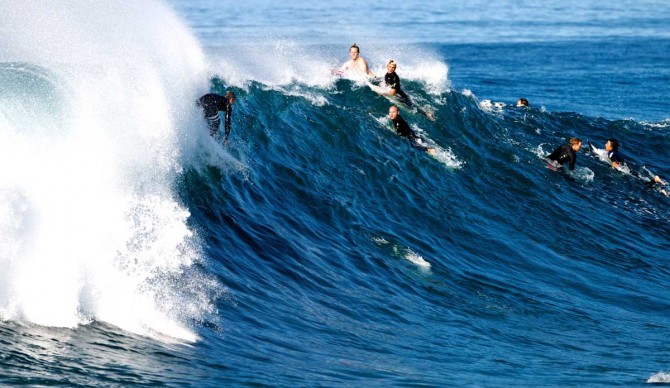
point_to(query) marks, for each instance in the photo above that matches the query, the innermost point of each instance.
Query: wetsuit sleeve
(573, 160)
(554, 155)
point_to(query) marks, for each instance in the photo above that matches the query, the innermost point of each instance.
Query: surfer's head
(391, 66)
(576, 143)
(393, 112)
(612, 145)
(354, 51)
(230, 96)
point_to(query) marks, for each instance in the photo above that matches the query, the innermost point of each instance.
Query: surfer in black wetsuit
(522, 102)
(403, 129)
(391, 79)
(211, 105)
(567, 153)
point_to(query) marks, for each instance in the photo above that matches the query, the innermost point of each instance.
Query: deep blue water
(318, 248)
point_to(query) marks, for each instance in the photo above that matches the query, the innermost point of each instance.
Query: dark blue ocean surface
(319, 248)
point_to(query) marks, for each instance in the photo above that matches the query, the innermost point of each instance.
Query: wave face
(352, 256)
(318, 248)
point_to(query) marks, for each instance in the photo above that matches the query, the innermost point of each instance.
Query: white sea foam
(468, 93)
(282, 62)
(417, 260)
(659, 378)
(491, 107)
(91, 227)
(379, 240)
(583, 174)
(656, 125)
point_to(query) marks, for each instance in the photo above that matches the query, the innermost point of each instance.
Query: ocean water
(318, 248)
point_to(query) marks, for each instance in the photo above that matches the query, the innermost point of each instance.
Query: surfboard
(552, 165)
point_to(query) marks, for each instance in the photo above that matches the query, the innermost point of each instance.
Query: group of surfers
(212, 104)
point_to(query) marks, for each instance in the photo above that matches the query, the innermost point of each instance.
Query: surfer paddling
(392, 80)
(567, 153)
(612, 149)
(617, 161)
(403, 129)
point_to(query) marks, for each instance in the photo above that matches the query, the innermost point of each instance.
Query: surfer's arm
(367, 69)
(573, 160)
(590, 146)
(342, 69)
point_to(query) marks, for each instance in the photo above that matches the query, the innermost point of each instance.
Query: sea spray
(96, 125)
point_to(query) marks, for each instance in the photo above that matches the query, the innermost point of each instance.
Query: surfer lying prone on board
(612, 156)
(392, 81)
(567, 153)
(402, 128)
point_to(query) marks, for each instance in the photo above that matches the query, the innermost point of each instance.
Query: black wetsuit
(563, 154)
(211, 105)
(393, 81)
(402, 128)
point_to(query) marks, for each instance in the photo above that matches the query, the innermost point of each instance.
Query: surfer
(392, 80)
(567, 153)
(211, 105)
(612, 148)
(403, 129)
(522, 102)
(356, 62)
(617, 161)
